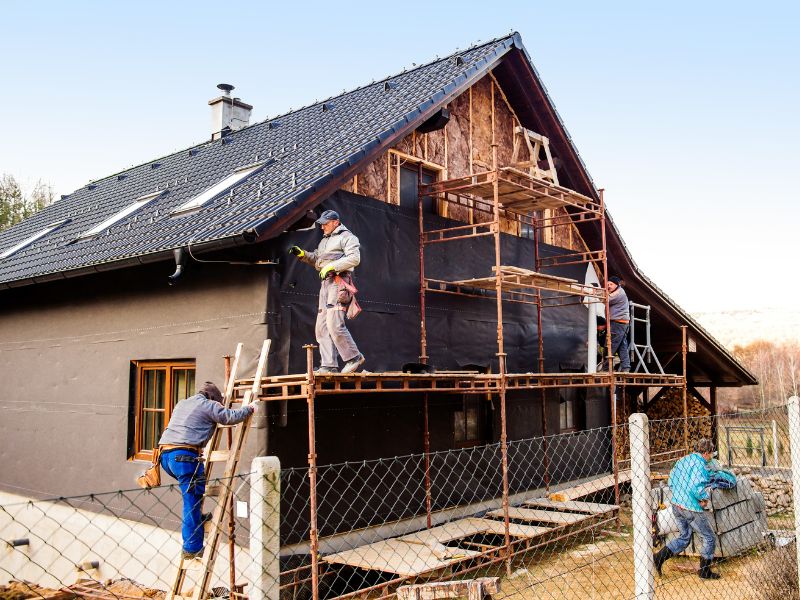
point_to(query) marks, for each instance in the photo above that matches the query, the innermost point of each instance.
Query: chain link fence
(560, 516)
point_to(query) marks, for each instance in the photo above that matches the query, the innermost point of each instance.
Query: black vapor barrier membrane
(461, 330)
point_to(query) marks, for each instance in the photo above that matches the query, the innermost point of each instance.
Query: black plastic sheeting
(460, 330)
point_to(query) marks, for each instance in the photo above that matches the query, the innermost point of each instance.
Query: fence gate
(745, 445)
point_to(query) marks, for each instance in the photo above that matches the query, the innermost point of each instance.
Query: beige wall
(65, 353)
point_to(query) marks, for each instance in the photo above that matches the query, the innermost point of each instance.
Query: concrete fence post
(265, 504)
(642, 506)
(794, 446)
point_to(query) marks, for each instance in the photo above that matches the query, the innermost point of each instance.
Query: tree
(15, 205)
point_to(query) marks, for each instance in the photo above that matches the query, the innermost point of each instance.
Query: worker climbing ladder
(221, 493)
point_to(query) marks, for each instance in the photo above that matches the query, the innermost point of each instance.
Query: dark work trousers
(185, 466)
(332, 335)
(620, 343)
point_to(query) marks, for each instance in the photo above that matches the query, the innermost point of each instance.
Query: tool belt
(151, 477)
(168, 447)
(347, 294)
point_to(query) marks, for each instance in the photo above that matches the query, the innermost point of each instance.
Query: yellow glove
(297, 251)
(325, 271)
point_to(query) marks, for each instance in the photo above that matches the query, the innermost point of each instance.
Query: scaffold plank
(540, 516)
(400, 557)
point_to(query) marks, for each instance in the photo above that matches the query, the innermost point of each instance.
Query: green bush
(770, 448)
(749, 447)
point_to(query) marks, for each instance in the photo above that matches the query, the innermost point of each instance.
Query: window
(409, 187)
(217, 189)
(128, 210)
(159, 386)
(468, 423)
(406, 173)
(28, 241)
(566, 409)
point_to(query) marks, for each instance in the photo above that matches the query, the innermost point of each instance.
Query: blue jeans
(689, 520)
(183, 465)
(620, 343)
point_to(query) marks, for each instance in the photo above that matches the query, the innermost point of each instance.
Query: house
(97, 346)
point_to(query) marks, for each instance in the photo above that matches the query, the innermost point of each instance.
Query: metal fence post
(775, 461)
(641, 504)
(794, 446)
(265, 504)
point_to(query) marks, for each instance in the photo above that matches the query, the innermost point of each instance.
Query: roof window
(28, 241)
(128, 210)
(217, 189)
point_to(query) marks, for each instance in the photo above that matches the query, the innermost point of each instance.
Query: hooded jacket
(340, 249)
(688, 481)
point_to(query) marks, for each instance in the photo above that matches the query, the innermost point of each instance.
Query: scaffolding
(502, 195)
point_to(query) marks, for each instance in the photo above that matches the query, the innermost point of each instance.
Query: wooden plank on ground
(397, 556)
(590, 487)
(542, 516)
(472, 589)
(590, 508)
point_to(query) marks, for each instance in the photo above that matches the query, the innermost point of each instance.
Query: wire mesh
(564, 530)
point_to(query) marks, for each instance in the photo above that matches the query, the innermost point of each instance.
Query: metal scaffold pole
(312, 472)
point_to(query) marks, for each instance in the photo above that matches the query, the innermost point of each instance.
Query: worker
(688, 481)
(334, 259)
(620, 317)
(190, 427)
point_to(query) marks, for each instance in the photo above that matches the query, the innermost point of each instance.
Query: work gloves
(326, 271)
(297, 251)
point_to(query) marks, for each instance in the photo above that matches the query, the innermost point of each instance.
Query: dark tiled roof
(302, 149)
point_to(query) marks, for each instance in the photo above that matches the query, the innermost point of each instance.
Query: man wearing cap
(620, 317)
(337, 254)
(190, 427)
(689, 480)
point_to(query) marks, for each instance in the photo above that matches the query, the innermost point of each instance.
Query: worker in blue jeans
(689, 480)
(190, 427)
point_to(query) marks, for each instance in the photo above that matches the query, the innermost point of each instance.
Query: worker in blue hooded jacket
(689, 481)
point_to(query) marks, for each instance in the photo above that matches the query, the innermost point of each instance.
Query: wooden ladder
(221, 493)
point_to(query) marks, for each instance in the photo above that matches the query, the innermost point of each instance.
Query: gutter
(144, 259)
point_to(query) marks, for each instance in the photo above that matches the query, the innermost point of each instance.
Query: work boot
(352, 365)
(661, 557)
(705, 571)
(328, 370)
(192, 555)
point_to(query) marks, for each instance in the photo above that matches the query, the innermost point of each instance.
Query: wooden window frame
(139, 368)
(480, 440)
(395, 161)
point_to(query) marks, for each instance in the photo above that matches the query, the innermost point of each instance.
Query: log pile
(666, 433)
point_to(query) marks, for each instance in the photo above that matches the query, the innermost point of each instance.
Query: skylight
(28, 241)
(130, 209)
(217, 189)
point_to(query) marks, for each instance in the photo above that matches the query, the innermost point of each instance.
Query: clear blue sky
(686, 112)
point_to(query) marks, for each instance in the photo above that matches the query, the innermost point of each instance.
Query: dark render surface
(66, 349)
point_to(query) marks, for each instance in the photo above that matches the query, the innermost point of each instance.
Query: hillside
(738, 327)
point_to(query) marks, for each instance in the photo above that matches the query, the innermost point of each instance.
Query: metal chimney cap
(225, 87)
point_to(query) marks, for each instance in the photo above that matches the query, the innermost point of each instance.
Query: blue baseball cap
(327, 217)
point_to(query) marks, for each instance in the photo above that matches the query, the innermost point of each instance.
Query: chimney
(228, 114)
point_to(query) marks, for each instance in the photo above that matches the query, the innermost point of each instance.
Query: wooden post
(685, 392)
(794, 447)
(712, 395)
(231, 518)
(427, 446)
(312, 471)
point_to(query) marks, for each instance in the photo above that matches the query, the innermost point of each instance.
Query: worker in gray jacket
(190, 427)
(619, 321)
(334, 259)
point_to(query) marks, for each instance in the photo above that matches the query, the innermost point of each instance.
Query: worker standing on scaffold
(619, 322)
(335, 258)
